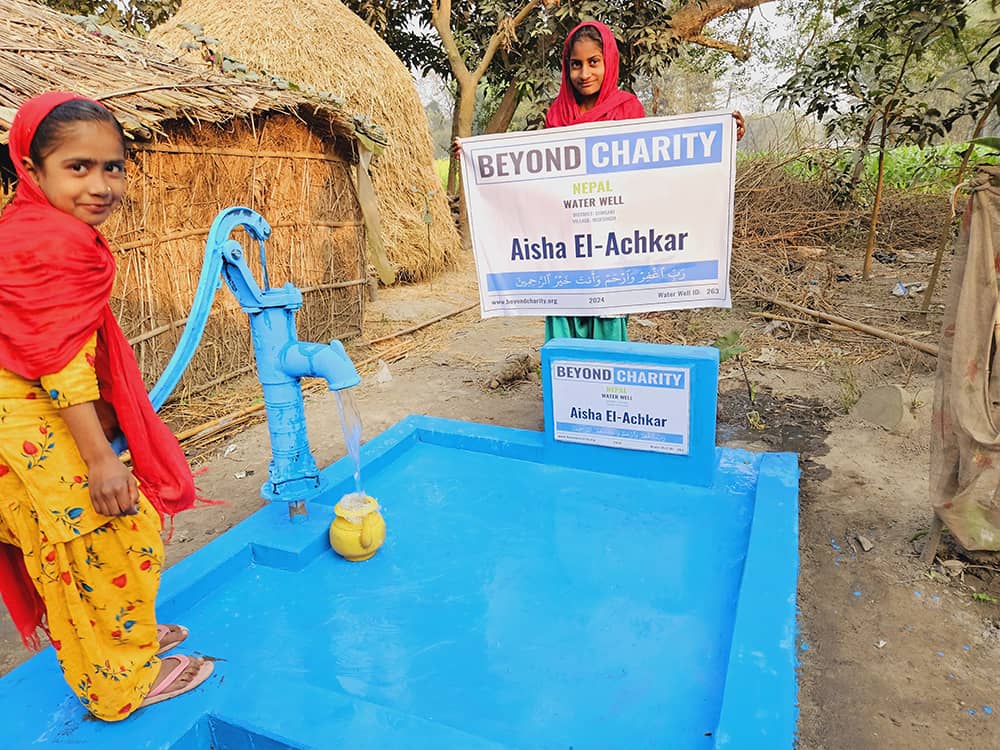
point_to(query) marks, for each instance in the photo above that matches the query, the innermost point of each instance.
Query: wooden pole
(215, 425)
(426, 323)
(933, 541)
(863, 327)
(799, 321)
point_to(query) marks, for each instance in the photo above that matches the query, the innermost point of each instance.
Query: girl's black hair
(50, 129)
(588, 32)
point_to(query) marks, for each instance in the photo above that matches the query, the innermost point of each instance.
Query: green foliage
(928, 169)
(441, 167)
(990, 143)
(729, 346)
(983, 597)
(405, 25)
(133, 16)
(530, 56)
(909, 69)
(869, 69)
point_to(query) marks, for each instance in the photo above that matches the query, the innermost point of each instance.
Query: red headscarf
(56, 274)
(612, 102)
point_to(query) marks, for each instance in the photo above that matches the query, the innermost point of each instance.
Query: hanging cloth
(965, 426)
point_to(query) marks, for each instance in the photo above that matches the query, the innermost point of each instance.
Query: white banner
(604, 218)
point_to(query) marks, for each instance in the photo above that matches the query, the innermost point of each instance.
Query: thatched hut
(322, 44)
(201, 142)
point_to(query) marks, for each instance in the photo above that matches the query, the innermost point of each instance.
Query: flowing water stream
(350, 424)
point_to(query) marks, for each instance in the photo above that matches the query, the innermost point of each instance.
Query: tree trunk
(870, 249)
(862, 151)
(461, 126)
(452, 160)
(467, 81)
(883, 139)
(500, 120)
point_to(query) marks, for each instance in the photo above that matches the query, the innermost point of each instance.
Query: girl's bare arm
(113, 489)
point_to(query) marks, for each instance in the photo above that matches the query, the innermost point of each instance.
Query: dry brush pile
(794, 242)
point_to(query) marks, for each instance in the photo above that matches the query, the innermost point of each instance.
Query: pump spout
(303, 359)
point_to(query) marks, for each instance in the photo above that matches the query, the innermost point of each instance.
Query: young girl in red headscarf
(589, 93)
(80, 547)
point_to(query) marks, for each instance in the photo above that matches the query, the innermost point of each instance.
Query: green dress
(579, 327)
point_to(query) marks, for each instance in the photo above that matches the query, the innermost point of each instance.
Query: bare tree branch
(441, 18)
(740, 53)
(498, 35)
(689, 20)
(812, 38)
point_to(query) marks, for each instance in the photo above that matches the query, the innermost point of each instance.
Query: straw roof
(43, 50)
(203, 141)
(320, 43)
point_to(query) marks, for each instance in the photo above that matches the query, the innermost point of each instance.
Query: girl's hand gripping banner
(605, 218)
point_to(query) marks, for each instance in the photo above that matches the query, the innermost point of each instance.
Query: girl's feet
(170, 636)
(178, 675)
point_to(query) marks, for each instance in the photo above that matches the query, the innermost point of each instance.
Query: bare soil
(893, 655)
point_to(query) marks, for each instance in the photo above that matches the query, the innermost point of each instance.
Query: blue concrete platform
(517, 603)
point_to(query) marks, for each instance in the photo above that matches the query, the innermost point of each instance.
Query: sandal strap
(163, 632)
(183, 662)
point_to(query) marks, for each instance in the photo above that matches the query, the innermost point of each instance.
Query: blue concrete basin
(517, 603)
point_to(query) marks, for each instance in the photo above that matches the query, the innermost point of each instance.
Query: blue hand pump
(282, 360)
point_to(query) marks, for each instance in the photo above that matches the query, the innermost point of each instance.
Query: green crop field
(931, 169)
(441, 167)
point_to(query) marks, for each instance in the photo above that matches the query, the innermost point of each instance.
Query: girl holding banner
(589, 93)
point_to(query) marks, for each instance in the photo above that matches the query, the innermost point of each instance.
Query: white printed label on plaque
(621, 405)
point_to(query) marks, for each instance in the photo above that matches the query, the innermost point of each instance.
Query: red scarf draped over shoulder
(612, 103)
(56, 274)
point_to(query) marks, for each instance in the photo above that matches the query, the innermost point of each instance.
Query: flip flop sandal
(162, 631)
(168, 689)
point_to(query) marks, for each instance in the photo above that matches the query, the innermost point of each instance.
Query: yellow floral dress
(97, 575)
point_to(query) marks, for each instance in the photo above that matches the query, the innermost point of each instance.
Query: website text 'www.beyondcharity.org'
(525, 301)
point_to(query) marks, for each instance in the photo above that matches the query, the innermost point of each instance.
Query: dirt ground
(893, 655)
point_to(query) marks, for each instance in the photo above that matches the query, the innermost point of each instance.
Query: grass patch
(850, 388)
(441, 167)
(931, 169)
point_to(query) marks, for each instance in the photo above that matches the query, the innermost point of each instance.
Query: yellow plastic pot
(359, 529)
